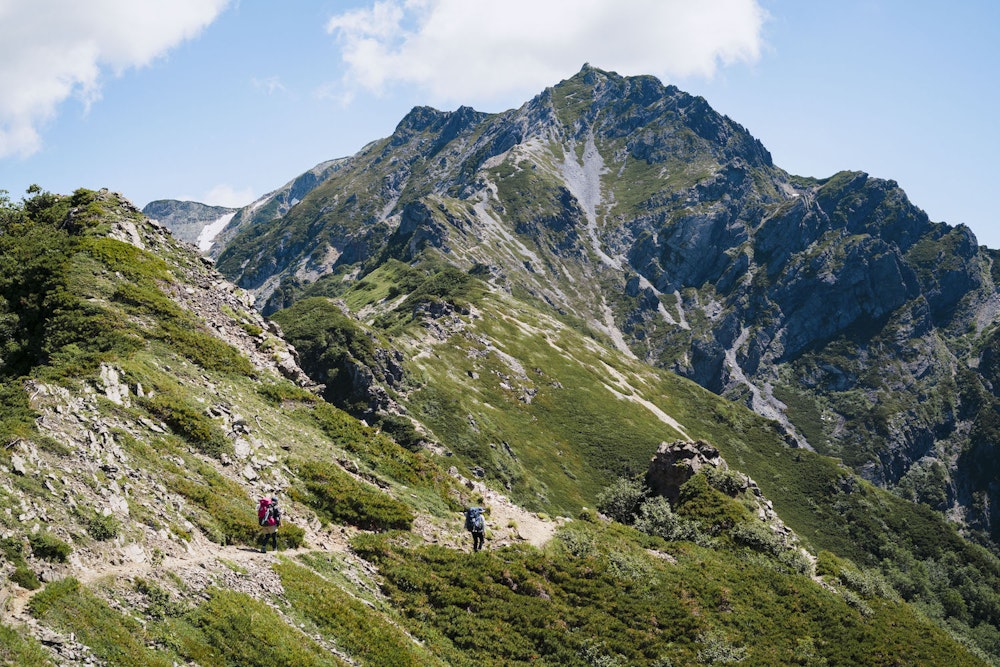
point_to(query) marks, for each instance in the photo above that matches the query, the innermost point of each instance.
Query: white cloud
(53, 49)
(481, 49)
(269, 85)
(227, 195)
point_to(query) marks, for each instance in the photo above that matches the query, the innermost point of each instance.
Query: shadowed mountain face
(833, 306)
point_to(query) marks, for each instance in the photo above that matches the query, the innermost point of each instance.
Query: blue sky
(221, 101)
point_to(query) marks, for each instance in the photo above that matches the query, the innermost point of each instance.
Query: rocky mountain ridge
(834, 306)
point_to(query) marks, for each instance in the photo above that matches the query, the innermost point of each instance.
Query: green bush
(124, 258)
(25, 578)
(246, 632)
(159, 604)
(621, 501)
(758, 537)
(729, 482)
(103, 527)
(17, 418)
(279, 392)
(402, 431)
(188, 422)
(12, 549)
(47, 546)
(366, 635)
(715, 510)
(18, 649)
(191, 341)
(291, 536)
(111, 635)
(656, 518)
(717, 649)
(380, 452)
(338, 497)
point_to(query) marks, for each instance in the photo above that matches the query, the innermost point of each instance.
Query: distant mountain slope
(275, 203)
(145, 406)
(190, 221)
(834, 306)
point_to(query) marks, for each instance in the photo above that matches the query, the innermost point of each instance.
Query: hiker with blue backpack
(475, 524)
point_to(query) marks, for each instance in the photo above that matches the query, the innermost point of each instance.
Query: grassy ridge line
(163, 447)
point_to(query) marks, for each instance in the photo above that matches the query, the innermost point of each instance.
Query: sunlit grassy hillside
(146, 406)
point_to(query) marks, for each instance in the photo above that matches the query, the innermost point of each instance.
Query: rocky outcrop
(676, 462)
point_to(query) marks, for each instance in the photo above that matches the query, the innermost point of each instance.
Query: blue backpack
(474, 520)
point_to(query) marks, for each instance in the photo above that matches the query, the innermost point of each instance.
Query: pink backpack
(264, 512)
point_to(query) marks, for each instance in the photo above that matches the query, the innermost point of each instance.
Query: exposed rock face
(185, 219)
(676, 462)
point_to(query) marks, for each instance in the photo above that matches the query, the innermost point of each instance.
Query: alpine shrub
(730, 482)
(190, 423)
(341, 498)
(657, 519)
(25, 578)
(103, 527)
(49, 547)
(19, 648)
(758, 537)
(621, 500)
(716, 648)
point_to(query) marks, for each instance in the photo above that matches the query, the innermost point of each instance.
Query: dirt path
(508, 522)
(200, 553)
(203, 560)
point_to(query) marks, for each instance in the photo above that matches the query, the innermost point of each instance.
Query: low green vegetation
(340, 498)
(361, 631)
(244, 632)
(227, 629)
(189, 422)
(13, 551)
(17, 419)
(19, 650)
(383, 454)
(111, 635)
(103, 527)
(597, 596)
(47, 546)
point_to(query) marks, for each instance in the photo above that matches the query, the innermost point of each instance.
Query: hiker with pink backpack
(269, 518)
